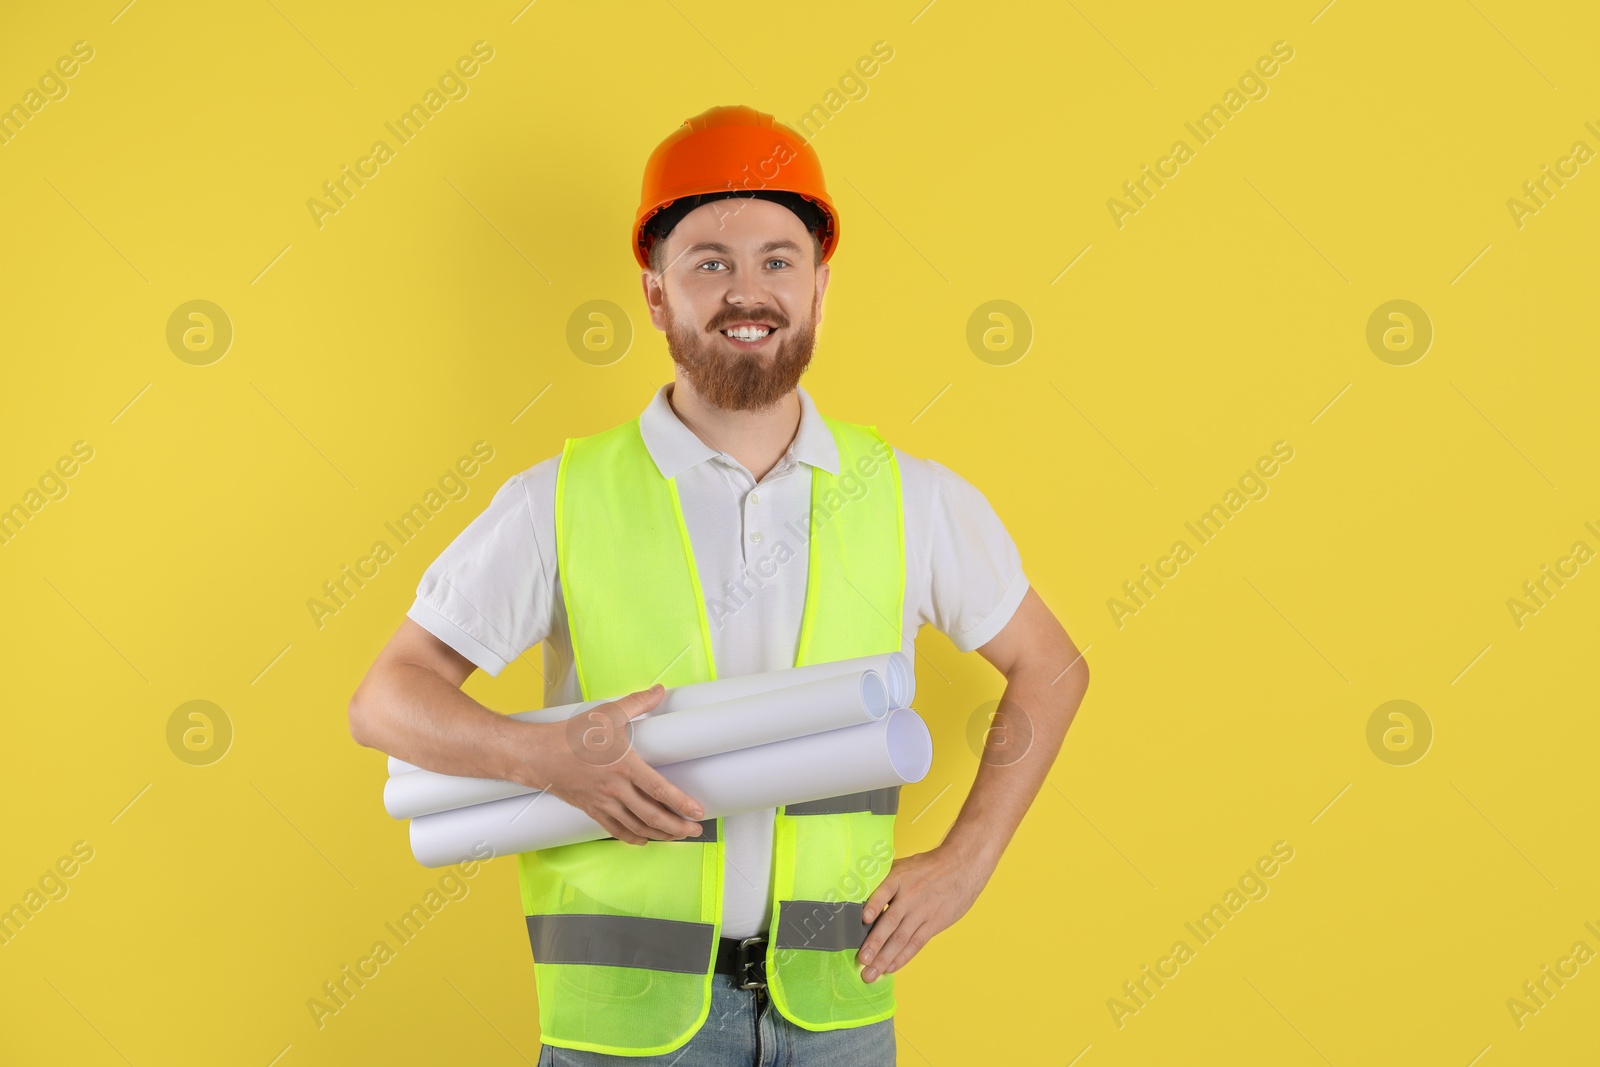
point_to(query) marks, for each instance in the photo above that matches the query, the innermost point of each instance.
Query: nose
(746, 290)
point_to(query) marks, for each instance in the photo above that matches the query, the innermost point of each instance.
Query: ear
(655, 298)
(822, 287)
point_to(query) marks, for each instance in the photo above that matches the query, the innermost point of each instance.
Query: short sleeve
(977, 577)
(490, 594)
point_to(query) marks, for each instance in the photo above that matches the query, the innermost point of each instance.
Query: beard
(736, 380)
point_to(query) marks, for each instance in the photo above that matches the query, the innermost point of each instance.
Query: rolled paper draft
(744, 722)
(894, 750)
(894, 666)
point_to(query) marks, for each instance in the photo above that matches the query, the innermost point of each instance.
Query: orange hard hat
(732, 151)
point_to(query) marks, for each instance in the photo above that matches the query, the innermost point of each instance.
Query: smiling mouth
(749, 335)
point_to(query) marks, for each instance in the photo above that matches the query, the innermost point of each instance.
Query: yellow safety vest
(624, 936)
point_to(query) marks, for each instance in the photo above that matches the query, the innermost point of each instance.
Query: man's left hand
(921, 895)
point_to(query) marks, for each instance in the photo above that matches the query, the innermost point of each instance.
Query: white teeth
(748, 333)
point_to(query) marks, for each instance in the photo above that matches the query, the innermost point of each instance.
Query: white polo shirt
(494, 592)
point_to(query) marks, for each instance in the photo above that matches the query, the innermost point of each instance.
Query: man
(730, 529)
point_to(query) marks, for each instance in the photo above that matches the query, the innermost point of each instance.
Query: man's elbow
(360, 712)
(1077, 671)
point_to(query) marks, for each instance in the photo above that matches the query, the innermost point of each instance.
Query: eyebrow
(714, 246)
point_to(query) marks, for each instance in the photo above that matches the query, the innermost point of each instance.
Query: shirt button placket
(750, 517)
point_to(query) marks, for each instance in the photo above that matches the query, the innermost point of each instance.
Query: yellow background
(1229, 313)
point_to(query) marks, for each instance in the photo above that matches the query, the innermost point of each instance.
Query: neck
(757, 439)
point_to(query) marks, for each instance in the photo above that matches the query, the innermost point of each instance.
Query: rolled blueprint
(894, 750)
(894, 666)
(744, 722)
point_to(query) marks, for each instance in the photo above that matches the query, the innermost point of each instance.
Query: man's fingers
(667, 825)
(872, 947)
(635, 704)
(610, 825)
(914, 943)
(652, 784)
(880, 897)
(641, 822)
(633, 831)
(890, 952)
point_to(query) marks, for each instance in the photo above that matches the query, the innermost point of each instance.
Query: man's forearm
(414, 714)
(1039, 703)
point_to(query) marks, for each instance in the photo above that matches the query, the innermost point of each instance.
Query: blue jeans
(744, 1031)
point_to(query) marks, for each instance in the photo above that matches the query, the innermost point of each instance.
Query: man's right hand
(589, 762)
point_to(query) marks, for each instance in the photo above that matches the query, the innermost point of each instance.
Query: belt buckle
(745, 963)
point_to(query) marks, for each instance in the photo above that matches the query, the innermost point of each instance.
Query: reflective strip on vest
(671, 945)
(708, 828)
(820, 924)
(622, 941)
(877, 801)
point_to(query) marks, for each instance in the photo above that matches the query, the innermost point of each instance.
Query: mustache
(775, 320)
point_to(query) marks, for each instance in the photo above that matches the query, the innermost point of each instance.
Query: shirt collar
(676, 448)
